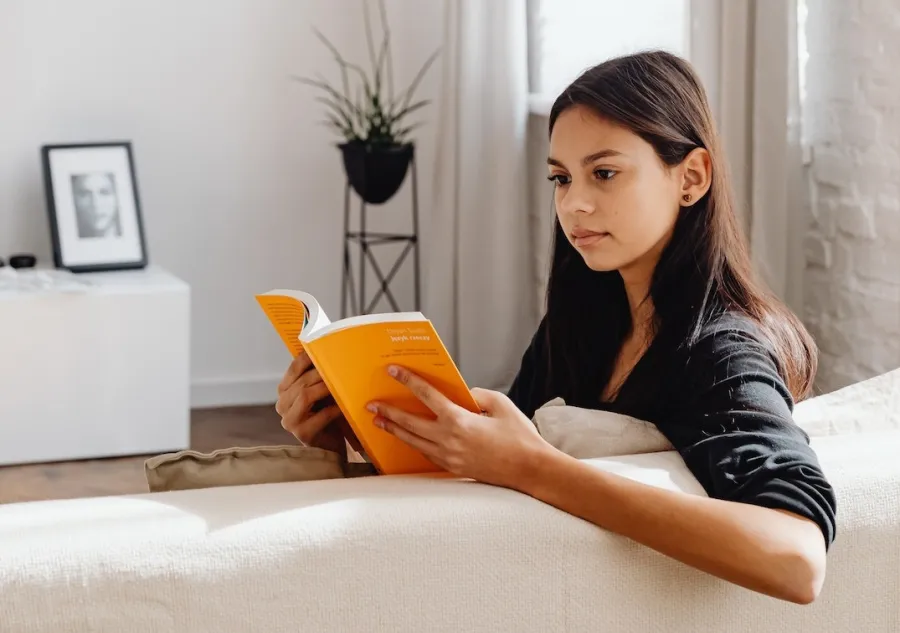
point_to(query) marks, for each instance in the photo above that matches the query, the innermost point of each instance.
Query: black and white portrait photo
(96, 205)
(93, 207)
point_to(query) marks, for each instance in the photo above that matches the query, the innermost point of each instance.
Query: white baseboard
(234, 391)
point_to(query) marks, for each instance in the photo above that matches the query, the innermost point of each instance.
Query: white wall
(242, 189)
(852, 293)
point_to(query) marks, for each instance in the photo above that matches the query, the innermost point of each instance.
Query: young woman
(652, 311)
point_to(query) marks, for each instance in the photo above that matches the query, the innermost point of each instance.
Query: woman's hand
(499, 447)
(307, 410)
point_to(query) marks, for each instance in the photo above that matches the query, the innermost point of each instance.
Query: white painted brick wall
(852, 246)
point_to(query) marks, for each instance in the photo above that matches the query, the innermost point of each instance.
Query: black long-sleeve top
(729, 415)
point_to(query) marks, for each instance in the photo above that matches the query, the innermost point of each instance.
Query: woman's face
(616, 200)
(95, 200)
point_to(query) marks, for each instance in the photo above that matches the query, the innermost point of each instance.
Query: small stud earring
(686, 197)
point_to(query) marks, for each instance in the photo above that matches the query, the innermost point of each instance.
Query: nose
(576, 198)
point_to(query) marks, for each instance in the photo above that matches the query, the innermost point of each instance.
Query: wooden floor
(210, 429)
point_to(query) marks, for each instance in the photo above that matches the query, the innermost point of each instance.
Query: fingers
(297, 401)
(489, 401)
(287, 397)
(297, 368)
(310, 377)
(307, 429)
(426, 429)
(313, 394)
(427, 447)
(428, 395)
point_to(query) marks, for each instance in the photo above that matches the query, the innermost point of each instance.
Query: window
(802, 46)
(568, 36)
(802, 61)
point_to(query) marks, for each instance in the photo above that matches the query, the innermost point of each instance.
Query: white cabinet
(97, 372)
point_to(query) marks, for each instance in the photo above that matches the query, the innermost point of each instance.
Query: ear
(696, 176)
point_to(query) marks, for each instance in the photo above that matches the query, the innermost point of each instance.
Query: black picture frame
(63, 241)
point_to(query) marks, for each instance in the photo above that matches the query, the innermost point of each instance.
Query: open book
(352, 356)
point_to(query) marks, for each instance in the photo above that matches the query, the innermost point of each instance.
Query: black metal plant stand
(366, 241)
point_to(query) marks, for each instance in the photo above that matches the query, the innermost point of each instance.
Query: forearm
(757, 548)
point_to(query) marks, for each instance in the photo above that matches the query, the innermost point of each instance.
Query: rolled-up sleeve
(733, 427)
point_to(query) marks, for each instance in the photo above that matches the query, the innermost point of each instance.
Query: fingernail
(379, 421)
(371, 408)
(394, 371)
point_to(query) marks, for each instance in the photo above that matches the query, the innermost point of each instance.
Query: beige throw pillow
(238, 466)
(589, 434)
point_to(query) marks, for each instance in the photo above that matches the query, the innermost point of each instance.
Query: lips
(583, 237)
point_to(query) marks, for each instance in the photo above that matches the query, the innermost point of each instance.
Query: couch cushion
(870, 405)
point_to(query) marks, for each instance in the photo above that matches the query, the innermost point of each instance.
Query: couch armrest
(420, 554)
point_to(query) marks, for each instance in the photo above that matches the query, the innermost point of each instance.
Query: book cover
(352, 356)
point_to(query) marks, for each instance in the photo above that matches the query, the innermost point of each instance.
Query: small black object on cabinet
(22, 260)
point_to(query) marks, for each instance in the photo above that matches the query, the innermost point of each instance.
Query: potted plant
(371, 119)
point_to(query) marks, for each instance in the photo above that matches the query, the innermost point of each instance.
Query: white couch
(417, 554)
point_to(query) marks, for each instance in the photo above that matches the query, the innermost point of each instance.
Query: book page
(362, 319)
(288, 316)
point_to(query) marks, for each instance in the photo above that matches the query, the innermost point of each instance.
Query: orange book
(352, 356)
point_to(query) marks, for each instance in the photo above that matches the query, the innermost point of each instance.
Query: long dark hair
(704, 270)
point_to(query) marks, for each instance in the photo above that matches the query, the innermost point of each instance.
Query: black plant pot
(376, 172)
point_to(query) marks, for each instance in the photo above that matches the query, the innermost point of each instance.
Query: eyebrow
(590, 158)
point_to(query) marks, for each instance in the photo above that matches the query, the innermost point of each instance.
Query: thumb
(490, 401)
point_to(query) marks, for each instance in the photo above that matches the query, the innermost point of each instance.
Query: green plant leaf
(344, 79)
(345, 117)
(407, 110)
(321, 84)
(378, 61)
(402, 133)
(333, 122)
(337, 56)
(369, 111)
(370, 42)
(374, 59)
(389, 62)
(418, 78)
(344, 64)
(379, 70)
(360, 111)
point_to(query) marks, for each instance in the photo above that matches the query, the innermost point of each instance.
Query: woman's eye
(604, 174)
(558, 179)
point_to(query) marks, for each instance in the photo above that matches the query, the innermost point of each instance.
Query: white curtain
(755, 90)
(478, 276)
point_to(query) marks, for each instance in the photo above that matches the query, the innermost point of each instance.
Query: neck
(637, 278)
(637, 289)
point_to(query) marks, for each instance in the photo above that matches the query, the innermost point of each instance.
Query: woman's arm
(770, 551)
(766, 549)
(770, 514)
